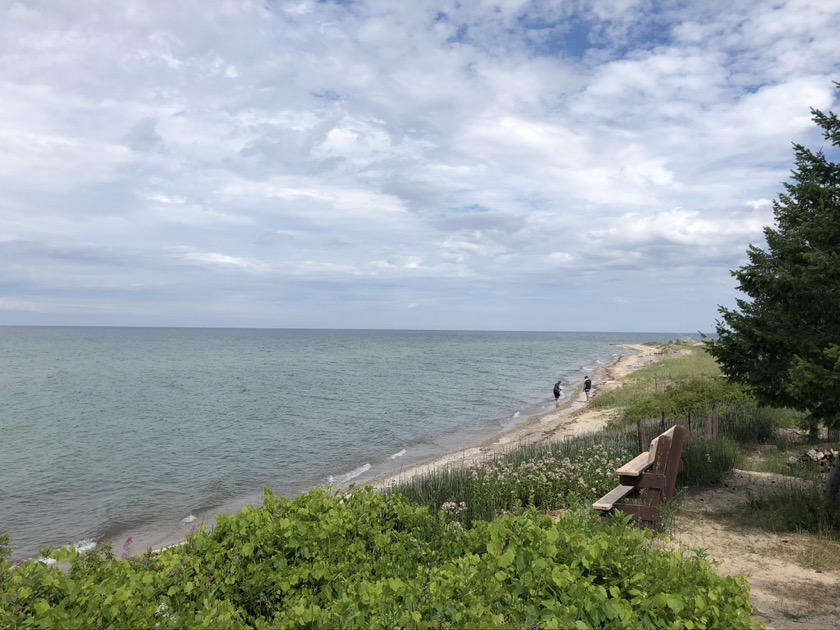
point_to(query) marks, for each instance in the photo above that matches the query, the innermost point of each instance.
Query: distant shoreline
(573, 417)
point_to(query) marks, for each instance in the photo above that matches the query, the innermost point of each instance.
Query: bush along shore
(365, 559)
(509, 542)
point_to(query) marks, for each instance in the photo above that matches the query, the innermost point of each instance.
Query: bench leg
(647, 515)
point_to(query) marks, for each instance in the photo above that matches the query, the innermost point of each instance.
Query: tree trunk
(832, 484)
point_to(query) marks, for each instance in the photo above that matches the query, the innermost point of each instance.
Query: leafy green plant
(362, 559)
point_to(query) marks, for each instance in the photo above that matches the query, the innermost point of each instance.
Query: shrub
(366, 560)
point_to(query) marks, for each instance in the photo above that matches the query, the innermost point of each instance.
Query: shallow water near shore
(145, 433)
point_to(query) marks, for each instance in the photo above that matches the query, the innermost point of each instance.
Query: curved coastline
(573, 417)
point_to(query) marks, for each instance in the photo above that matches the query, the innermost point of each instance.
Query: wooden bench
(650, 476)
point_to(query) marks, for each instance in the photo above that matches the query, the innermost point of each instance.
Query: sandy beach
(574, 417)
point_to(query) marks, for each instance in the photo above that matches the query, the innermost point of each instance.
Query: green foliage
(366, 560)
(708, 460)
(748, 424)
(692, 362)
(546, 476)
(688, 384)
(783, 342)
(691, 397)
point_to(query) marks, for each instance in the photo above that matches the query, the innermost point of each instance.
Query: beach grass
(679, 362)
(794, 507)
(564, 473)
(547, 476)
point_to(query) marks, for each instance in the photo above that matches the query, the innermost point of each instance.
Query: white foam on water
(348, 476)
(188, 519)
(395, 455)
(85, 545)
(516, 415)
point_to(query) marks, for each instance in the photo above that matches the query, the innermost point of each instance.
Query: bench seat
(651, 476)
(605, 503)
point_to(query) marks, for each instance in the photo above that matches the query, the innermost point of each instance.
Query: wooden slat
(635, 466)
(672, 467)
(657, 481)
(605, 503)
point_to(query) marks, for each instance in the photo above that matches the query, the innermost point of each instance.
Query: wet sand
(574, 417)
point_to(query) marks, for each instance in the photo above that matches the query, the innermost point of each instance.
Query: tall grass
(707, 461)
(693, 362)
(747, 423)
(795, 508)
(547, 476)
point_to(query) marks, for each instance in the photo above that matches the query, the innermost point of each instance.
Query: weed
(794, 507)
(708, 460)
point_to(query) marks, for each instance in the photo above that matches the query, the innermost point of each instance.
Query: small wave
(188, 519)
(82, 546)
(348, 476)
(85, 545)
(395, 455)
(516, 415)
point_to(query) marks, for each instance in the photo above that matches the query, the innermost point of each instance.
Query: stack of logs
(823, 458)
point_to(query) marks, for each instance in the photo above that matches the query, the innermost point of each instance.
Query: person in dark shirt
(557, 390)
(587, 387)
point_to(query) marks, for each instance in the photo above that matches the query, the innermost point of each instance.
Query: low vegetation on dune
(510, 542)
(364, 559)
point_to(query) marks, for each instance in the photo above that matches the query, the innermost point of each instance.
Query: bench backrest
(665, 453)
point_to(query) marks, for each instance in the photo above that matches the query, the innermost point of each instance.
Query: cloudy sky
(473, 164)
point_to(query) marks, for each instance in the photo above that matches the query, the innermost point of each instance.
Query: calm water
(111, 432)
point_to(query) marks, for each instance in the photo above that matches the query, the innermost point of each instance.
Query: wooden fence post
(639, 435)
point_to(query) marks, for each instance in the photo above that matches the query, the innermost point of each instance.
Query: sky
(556, 165)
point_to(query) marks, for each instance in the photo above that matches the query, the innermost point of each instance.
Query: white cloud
(409, 153)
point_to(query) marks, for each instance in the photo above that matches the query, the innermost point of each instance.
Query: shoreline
(573, 417)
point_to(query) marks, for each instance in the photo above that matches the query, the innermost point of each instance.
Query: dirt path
(792, 585)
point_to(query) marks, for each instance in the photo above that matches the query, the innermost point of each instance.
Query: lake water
(146, 432)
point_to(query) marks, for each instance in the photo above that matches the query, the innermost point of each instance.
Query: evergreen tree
(784, 341)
